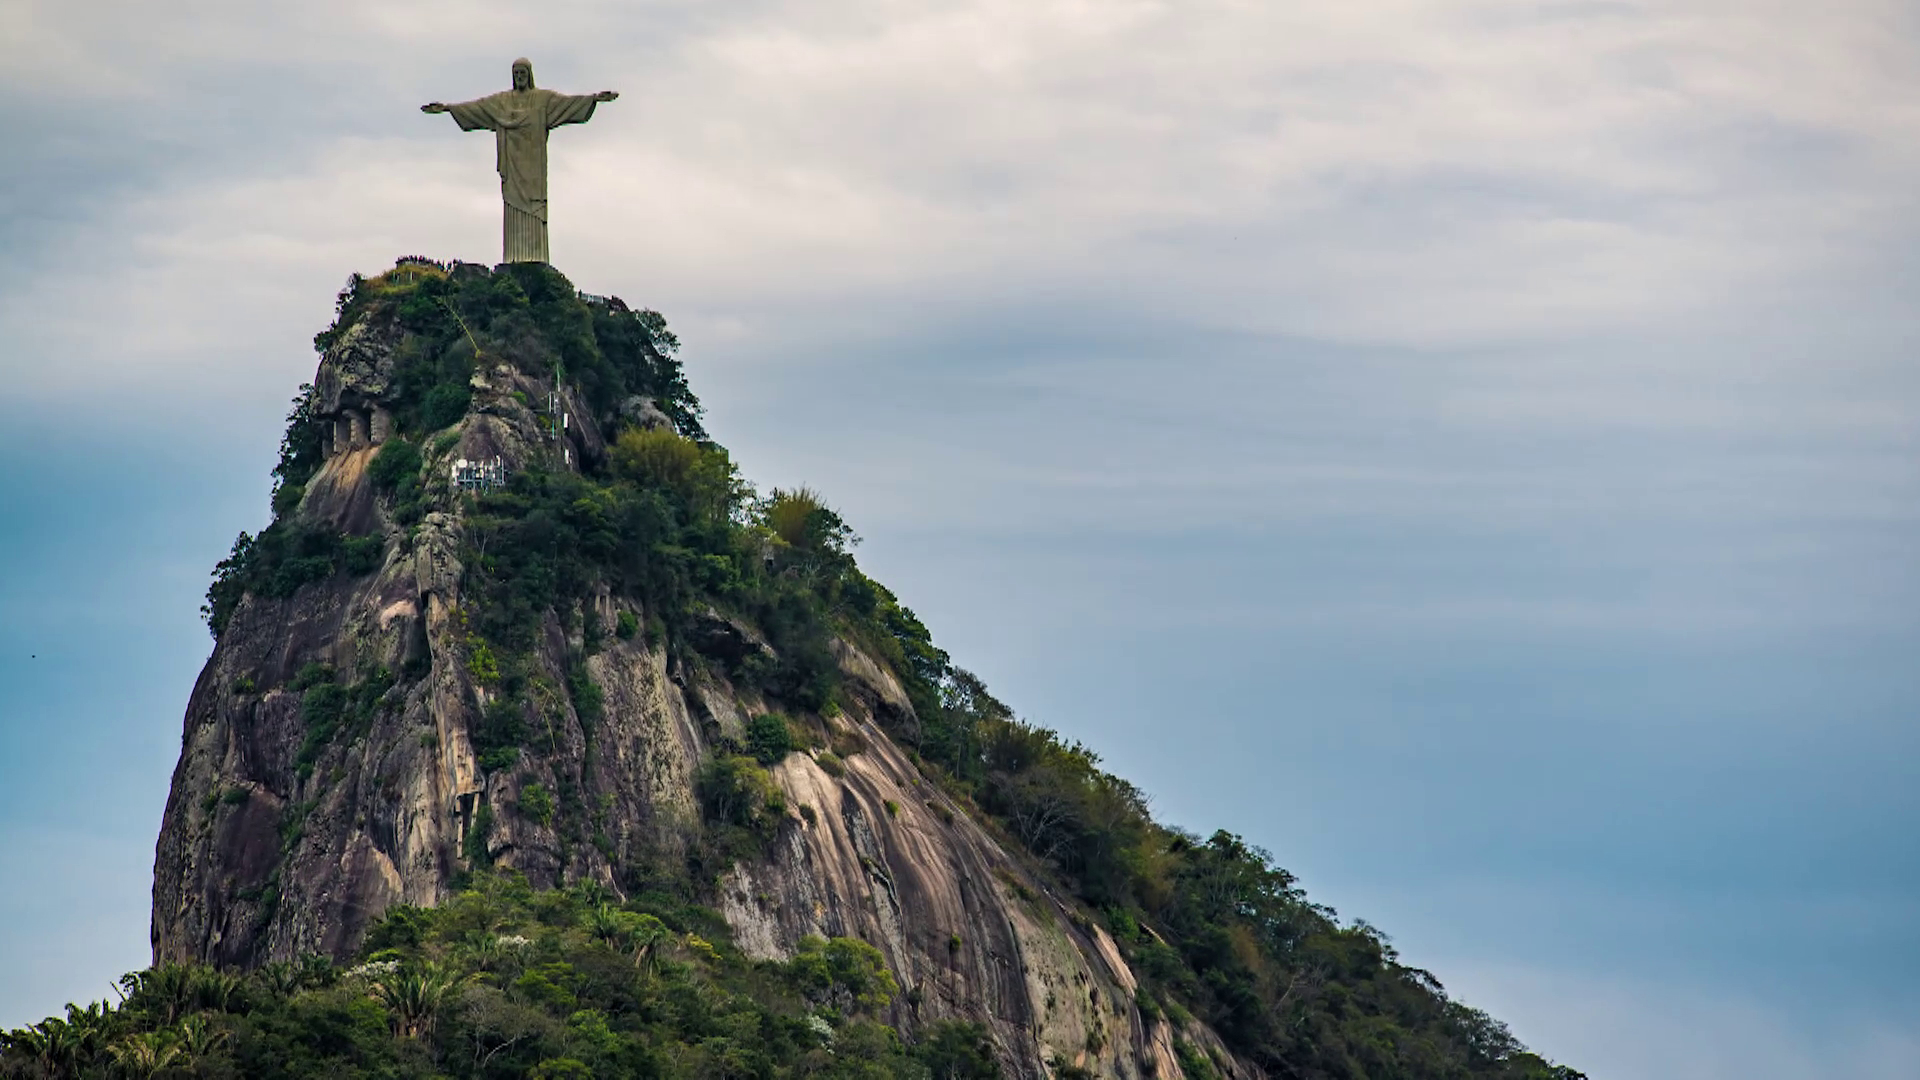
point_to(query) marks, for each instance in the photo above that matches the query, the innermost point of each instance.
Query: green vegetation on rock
(527, 314)
(503, 981)
(285, 556)
(446, 322)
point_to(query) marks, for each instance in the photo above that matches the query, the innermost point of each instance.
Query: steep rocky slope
(329, 767)
(517, 616)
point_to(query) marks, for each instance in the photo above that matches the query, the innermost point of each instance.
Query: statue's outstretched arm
(470, 115)
(574, 108)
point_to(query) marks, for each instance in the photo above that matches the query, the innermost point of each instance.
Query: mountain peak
(517, 619)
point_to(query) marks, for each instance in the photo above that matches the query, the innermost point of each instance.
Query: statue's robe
(520, 120)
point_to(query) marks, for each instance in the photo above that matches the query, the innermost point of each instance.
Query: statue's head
(523, 74)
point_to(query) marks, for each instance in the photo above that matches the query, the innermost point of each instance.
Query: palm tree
(278, 980)
(61, 1047)
(199, 1039)
(22, 1042)
(168, 990)
(592, 892)
(88, 1030)
(317, 970)
(217, 990)
(605, 923)
(145, 1056)
(628, 932)
(46, 1043)
(414, 995)
(648, 933)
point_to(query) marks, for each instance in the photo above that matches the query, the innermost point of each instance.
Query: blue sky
(1468, 448)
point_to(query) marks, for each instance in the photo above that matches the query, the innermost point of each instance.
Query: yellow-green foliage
(403, 277)
(657, 457)
(702, 476)
(815, 541)
(789, 513)
(481, 663)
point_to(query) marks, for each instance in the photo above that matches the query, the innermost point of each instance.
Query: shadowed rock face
(274, 844)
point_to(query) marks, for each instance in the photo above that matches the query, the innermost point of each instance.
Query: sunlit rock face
(286, 833)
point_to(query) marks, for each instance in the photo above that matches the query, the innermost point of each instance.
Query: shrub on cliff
(735, 790)
(845, 974)
(700, 476)
(285, 556)
(769, 738)
(396, 461)
(299, 447)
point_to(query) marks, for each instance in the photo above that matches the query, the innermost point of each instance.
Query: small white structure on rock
(480, 475)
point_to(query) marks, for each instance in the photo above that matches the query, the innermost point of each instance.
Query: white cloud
(1410, 172)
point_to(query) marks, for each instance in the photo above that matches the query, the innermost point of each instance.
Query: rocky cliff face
(329, 769)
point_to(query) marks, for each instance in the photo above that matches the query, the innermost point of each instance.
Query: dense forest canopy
(507, 981)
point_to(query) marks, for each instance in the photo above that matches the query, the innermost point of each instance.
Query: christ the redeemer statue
(520, 119)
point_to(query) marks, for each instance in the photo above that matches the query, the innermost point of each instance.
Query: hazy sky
(1470, 448)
